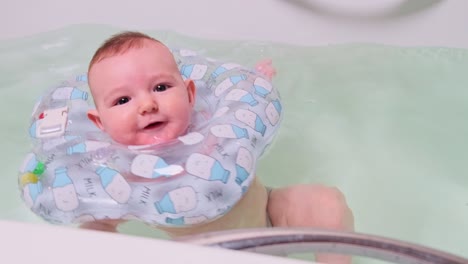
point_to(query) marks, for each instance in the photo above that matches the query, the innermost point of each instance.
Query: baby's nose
(148, 105)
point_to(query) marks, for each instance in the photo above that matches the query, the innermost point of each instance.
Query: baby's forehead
(152, 50)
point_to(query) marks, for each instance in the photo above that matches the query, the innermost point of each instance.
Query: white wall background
(304, 22)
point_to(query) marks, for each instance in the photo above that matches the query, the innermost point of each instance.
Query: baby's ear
(93, 115)
(191, 91)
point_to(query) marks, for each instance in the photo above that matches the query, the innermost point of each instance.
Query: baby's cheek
(123, 136)
(120, 129)
(185, 122)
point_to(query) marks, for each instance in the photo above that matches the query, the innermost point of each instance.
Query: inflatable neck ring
(75, 173)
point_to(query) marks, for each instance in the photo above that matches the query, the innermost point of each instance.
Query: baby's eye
(122, 100)
(160, 88)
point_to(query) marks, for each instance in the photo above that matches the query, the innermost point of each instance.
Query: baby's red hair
(118, 44)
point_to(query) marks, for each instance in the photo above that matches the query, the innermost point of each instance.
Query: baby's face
(140, 96)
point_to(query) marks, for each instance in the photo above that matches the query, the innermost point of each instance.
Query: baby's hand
(266, 68)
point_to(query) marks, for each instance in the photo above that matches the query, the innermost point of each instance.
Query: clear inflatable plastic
(75, 173)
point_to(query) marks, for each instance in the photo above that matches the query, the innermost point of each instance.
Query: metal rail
(285, 241)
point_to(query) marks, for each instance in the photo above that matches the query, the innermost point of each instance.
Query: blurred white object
(38, 243)
(302, 22)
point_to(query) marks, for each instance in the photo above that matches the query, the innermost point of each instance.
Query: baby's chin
(153, 139)
(150, 141)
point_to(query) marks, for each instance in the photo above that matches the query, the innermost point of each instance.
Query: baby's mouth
(154, 125)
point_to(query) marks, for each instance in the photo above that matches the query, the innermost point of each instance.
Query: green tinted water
(387, 125)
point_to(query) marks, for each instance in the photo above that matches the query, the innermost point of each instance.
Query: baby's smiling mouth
(154, 125)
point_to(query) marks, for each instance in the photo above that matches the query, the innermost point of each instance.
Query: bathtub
(301, 23)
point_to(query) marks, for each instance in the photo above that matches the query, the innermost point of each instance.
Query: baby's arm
(103, 225)
(266, 68)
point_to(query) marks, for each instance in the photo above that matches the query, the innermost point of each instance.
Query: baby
(141, 98)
